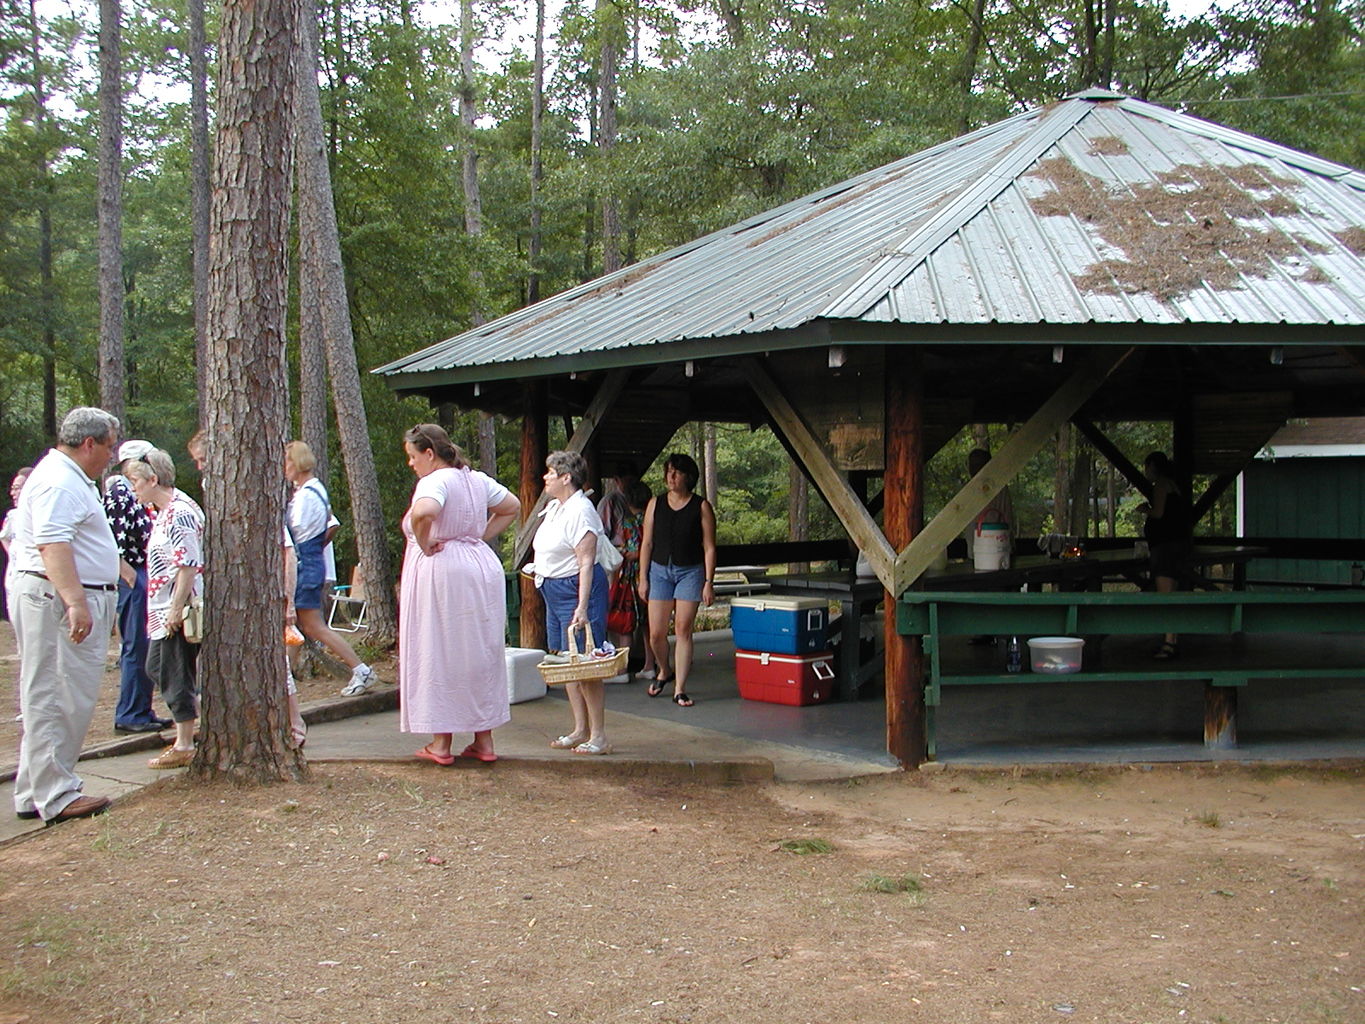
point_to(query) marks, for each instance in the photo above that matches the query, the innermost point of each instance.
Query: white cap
(134, 450)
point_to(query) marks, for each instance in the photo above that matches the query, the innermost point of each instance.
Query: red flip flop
(445, 760)
(478, 755)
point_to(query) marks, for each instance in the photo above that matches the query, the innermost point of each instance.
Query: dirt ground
(514, 893)
(311, 687)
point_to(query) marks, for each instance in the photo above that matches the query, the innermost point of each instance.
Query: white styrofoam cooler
(524, 681)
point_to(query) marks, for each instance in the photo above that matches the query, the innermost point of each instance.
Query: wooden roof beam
(1116, 458)
(911, 563)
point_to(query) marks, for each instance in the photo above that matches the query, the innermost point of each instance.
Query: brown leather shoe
(81, 807)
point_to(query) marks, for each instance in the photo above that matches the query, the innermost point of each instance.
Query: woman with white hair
(175, 565)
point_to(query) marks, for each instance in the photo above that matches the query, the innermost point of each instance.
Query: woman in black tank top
(678, 566)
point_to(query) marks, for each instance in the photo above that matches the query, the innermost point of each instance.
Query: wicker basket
(583, 667)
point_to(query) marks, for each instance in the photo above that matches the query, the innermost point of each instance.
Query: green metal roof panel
(1028, 222)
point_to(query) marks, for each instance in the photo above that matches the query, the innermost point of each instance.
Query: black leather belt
(109, 587)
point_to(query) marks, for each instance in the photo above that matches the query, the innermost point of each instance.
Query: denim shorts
(561, 598)
(676, 582)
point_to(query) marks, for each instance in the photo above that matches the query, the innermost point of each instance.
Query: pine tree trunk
(469, 162)
(312, 343)
(537, 169)
(608, 25)
(199, 187)
(966, 73)
(730, 15)
(590, 205)
(312, 365)
(798, 511)
(111, 211)
(1107, 60)
(1061, 481)
(1080, 492)
(320, 255)
(244, 718)
(1112, 498)
(473, 209)
(46, 291)
(710, 484)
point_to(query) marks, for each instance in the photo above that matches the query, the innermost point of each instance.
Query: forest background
(647, 125)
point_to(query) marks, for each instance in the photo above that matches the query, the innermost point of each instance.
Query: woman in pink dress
(452, 674)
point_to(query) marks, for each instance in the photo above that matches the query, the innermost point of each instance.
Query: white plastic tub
(1056, 654)
(524, 681)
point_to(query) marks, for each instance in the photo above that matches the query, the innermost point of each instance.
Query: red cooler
(796, 679)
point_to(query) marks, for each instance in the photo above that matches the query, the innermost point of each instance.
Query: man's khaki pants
(59, 682)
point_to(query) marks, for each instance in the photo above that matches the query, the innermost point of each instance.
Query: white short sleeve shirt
(563, 525)
(61, 505)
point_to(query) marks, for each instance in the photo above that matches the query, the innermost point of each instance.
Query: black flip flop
(656, 687)
(683, 700)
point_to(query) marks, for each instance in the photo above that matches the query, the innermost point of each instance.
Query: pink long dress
(452, 673)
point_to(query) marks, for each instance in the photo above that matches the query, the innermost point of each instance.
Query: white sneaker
(362, 678)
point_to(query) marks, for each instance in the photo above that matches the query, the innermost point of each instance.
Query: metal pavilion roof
(1058, 216)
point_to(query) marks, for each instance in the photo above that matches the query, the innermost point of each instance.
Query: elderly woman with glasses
(574, 588)
(175, 565)
(452, 674)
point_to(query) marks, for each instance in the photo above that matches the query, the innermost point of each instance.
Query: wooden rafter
(1212, 493)
(911, 563)
(831, 484)
(1117, 459)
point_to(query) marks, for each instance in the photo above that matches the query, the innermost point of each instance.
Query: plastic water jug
(991, 547)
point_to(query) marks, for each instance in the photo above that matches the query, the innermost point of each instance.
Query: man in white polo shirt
(66, 593)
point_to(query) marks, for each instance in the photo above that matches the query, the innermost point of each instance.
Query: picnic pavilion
(1096, 260)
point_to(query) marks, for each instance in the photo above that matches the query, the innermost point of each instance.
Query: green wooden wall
(1304, 497)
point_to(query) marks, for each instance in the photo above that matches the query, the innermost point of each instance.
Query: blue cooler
(779, 625)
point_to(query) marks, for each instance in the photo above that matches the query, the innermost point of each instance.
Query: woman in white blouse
(574, 588)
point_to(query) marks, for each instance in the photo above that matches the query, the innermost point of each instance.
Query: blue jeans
(135, 685)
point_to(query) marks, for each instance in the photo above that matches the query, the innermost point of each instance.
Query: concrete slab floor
(1048, 723)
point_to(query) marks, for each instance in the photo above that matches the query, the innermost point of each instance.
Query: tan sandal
(172, 757)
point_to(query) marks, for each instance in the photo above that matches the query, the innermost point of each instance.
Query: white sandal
(566, 743)
(592, 748)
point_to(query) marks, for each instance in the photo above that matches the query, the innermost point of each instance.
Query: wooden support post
(535, 441)
(1220, 717)
(902, 517)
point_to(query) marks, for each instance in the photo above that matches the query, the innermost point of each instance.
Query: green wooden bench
(934, 616)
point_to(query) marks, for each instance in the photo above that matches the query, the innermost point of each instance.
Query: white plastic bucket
(1059, 654)
(991, 547)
